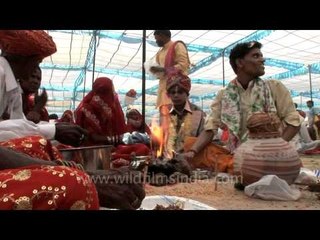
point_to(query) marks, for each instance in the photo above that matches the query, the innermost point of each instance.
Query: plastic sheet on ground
(150, 202)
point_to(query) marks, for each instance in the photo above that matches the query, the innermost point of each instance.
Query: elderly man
(21, 53)
(28, 182)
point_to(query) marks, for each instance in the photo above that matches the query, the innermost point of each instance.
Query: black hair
(310, 101)
(166, 33)
(241, 50)
(53, 116)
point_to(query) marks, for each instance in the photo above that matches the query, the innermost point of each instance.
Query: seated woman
(134, 122)
(35, 146)
(136, 131)
(34, 104)
(100, 113)
(31, 180)
(137, 140)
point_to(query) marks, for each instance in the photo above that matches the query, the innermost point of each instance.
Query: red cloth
(28, 105)
(302, 113)
(123, 153)
(34, 146)
(67, 116)
(100, 111)
(136, 115)
(139, 149)
(131, 93)
(313, 151)
(225, 135)
(126, 151)
(27, 43)
(170, 56)
(47, 188)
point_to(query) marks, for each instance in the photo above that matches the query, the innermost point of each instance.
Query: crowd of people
(33, 174)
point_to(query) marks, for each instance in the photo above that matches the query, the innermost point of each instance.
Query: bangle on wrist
(70, 164)
(194, 151)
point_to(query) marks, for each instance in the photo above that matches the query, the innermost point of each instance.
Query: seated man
(245, 95)
(21, 53)
(302, 141)
(30, 183)
(186, 123)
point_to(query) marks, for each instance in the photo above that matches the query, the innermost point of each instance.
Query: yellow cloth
(207, 157)
(282, 99)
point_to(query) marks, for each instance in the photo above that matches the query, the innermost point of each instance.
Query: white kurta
(11, 101)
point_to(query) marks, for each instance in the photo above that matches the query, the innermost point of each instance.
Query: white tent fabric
(292, 56)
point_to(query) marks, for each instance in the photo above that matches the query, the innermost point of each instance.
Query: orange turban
(27, 43)
(177, 78)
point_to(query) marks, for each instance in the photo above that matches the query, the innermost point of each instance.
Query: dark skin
(31, 85)
(101, 139)
(70, 134)
(161, 40)
(23, 67)
(178, 97)
(249, 67)
(126, 195)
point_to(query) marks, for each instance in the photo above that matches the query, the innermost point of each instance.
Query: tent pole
(94, 55)
(309, 68)
(300, 100)
(223, 75)
(143, 92)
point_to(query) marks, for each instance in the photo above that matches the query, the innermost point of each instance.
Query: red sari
(44, 187)
(100, 111)
(47, 188)
(67, 116)
(34, 146)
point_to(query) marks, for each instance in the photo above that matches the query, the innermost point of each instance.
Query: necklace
(177, 136)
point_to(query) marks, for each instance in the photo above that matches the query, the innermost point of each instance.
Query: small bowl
(139, 162)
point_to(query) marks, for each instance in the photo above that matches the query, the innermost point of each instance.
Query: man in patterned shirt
(246, 94)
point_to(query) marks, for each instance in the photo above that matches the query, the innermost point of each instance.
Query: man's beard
(160, 43)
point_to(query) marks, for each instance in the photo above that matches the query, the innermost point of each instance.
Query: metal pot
(91, 158)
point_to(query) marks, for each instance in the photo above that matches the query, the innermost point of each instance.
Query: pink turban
(177, 78)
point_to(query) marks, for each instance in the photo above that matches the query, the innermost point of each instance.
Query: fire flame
(157, 138)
